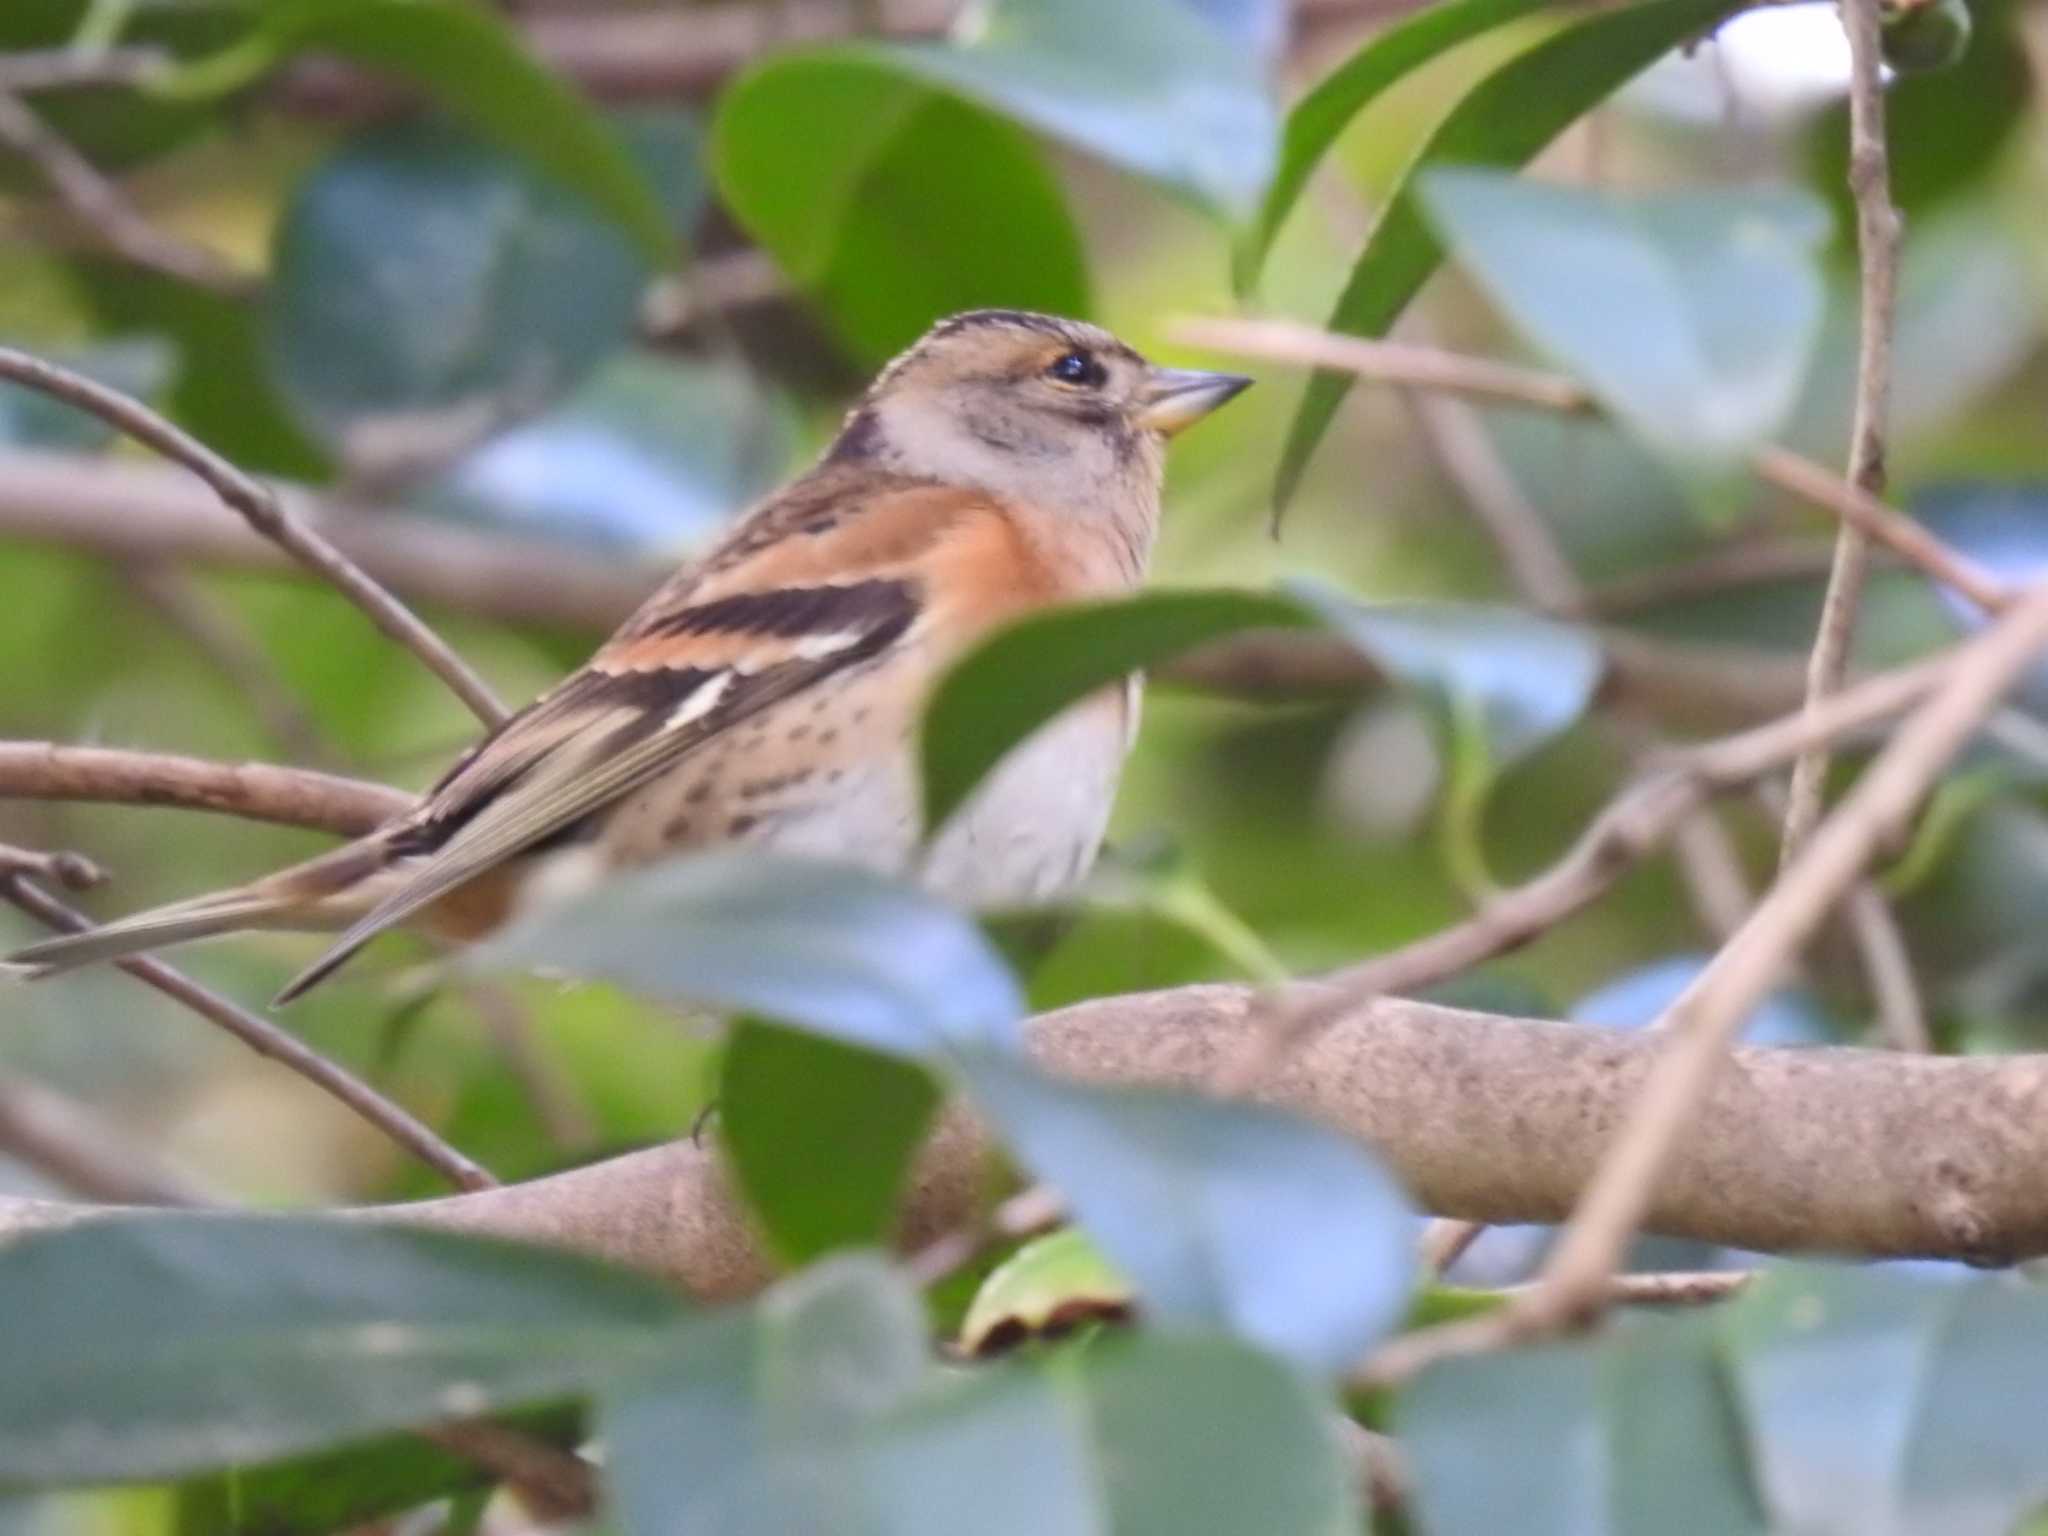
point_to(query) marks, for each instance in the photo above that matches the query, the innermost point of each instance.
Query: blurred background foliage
(582, 280)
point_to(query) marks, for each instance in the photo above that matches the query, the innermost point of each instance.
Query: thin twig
(266, 1039)
(1025, 1214)
(286, 797)
(1705, 1018)
(105, 209)
(1535, 564)
(259, 505)
(557, 1487)
(1894, 990)
(1445, 1241)
(1877, 245)
(1706, 857)
(1402, 1358)
(1427, 368)
(132, 510)
(1746, 563)
(1633, 825)
(57, 69)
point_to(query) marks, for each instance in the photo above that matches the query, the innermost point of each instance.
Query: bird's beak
(1174, 398)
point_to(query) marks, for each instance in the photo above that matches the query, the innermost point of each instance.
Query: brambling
(769, 692)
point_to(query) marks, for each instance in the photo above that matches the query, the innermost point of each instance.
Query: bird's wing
(823, 579)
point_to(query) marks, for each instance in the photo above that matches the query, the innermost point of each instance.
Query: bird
(768, 693)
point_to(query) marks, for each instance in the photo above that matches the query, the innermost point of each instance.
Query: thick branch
(1491, 1118)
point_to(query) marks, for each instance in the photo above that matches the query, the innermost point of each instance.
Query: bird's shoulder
(838, 570)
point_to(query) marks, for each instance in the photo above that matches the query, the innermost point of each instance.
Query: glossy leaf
(1048, 1284)
(1224, 1215)
(168, 1344)
(822, 946)
(1029, 671)
(117, 128)
(648, 454)
(1883, 1403)
(136, 366)
(891, 176)
(820, 1135)
(1148, 85)
(1634, 1434)
(1692, 316)
(816, 1411)
(472, 64)
(1316, 121)
(345, 1489)
(428, 286)
(1525, 678)
(1502, 121)
(1788, 1016)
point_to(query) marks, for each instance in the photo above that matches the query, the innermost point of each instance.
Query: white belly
(1030, 831)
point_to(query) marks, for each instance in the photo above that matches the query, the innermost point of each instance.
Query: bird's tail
(321, 893)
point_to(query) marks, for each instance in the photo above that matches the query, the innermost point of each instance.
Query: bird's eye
(1077, 368)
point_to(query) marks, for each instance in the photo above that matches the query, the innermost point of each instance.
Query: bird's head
(1028, 404)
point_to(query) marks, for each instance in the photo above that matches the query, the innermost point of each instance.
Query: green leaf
(1026, 673)
(816, 1411)
(474, 65)
(1325, 112)
(879, 204)
(116, 128)
(427, 284)
(1143, 84)
(138, 366)
(1525, 678)
(1044, 1286)
(341, 1490)
(823, 946)
(1692, 316)
(1634, 1434)
(1883, 1401)
(1504, 121)
(820, 1135)
(1224, 1215)
(173, 1343)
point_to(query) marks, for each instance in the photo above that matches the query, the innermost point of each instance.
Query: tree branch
(1634, 824)
(1834, 1150)
(1707, 1016)
(289, 797)
(105, 209)
(139, 512)
(1877, 247)
(1428, 368)
(263, 511)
